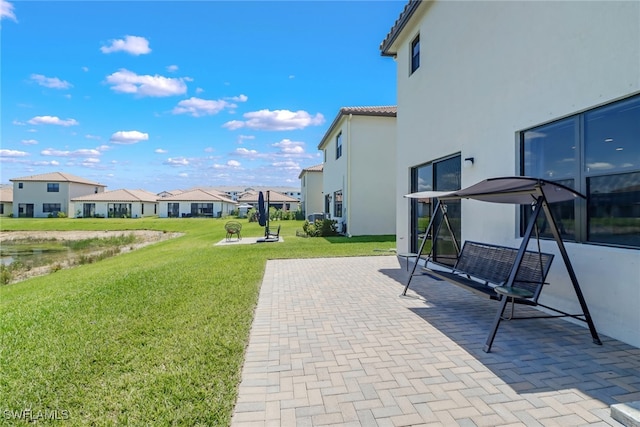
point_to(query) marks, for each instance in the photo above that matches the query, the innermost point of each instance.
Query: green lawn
(151, 337)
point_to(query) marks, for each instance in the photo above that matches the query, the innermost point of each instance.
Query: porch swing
(515, 275)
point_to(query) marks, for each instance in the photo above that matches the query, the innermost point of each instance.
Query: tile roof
(6, 194)
(316, 168)
(398, 26)
(197, 195)
(57, 177)
(274, 196)
(121, 195)
(384, 111)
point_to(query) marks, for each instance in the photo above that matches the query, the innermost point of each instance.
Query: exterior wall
(478, 85)
(371, 193)
(365, 173)
(312, 195)
(102, 208)
(185, 207)
(7, 208)
(35, 192)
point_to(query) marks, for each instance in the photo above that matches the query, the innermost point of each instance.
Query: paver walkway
(332, 343)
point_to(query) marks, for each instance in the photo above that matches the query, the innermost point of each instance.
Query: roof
(274, 197)
(121, 195)
(316, 168)
(384, 111)
(398, 26)
(197, 195)
(57, 177)
(6, 194)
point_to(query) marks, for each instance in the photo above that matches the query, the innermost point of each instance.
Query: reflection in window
(415, 54)
(614, 209)
(337, 204)
(598, 154)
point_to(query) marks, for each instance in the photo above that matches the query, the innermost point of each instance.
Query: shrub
(321, 228)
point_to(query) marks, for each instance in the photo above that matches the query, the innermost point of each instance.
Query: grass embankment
(152, 337)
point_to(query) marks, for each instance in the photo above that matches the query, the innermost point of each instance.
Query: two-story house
(543, 89)
(44, 195)
(311, 199)
(359, 170)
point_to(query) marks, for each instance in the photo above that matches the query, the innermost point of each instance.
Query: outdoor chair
(233, 228)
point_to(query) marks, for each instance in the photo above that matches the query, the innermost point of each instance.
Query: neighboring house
(169, 193)
(234, 192)
(544, 89)
(276, 200)
(6, 200)
(41, 196)
(116, 204)
(195, 203)
(312, 200)
(359, 170)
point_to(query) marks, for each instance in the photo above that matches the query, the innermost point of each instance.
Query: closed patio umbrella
(262, 216)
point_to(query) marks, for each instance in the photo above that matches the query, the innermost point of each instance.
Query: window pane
(420, 208)
(614, 209)
(550, 151)
(447, 177)
(612, 137)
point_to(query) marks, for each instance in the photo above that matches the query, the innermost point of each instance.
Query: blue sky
(163, 95)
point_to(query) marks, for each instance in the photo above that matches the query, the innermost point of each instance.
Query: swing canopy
(519, 190)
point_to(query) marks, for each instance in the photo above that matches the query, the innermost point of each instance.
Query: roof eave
(402, 21)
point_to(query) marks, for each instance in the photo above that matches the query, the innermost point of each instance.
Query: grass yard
(151, 337)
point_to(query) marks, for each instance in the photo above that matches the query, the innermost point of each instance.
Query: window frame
(51, 207)
(53, 187)
(414, 55)
(337, 204)
(581, 174)
(338, 145)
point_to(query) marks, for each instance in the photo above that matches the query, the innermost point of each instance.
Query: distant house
(312, 200)
(40, 196)
(169, 193)
(195, 203)
(276, 200)
(542, 89)
(117, 204)
(234, 192)
(359, 170)
(6, 200)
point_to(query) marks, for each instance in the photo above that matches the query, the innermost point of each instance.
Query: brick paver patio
(332, 343)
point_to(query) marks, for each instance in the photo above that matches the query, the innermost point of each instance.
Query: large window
(173, 210)
(53, 187)
(201, 209)
(51, 207)
(415, 54)
(598, 154)
(440, 175)
(119, 210)
(337, 204)
(339, 146)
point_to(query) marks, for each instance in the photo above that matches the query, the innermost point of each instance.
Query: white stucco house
(543, 89)
(311, 199)
(195, 203)
(359, 170)
(44, 195)
(276, 200)
(116, 204)
(6, 200)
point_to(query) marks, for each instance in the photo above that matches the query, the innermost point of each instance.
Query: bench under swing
(515, 275)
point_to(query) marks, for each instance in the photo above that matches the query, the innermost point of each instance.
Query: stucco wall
(491, 69)
(312, 194)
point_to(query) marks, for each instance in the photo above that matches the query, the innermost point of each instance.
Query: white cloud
(198, 107)
(600, 165)
(276, 120)
(131, 44)
(287, 146)
(242, 138)
(172, 68)
(29, 142)
(233, 163)
(177, 161)
(128, 137)
(287, 165)
(239, 98)
(103, 147)
(183, 175)
(83, 152)
(6, 11)
(95, 137)
(252, 154)
(12, 153)
(160, 151)
(52, 120)
(209, 150)
(50, 82)
(45, 163)
(125, 81)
